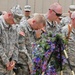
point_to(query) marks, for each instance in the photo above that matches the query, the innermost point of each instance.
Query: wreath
(48, 55)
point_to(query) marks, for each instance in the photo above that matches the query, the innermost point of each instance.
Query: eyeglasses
(57, 14)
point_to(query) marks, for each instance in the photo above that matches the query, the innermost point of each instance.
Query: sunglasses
(27, 11)
(57, 14)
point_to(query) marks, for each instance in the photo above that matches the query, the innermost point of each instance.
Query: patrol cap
(72, 8)
(27, 8)
(16, 10)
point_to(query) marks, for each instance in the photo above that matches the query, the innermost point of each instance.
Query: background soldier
(27, 12)
(66, 20)
(71, 40)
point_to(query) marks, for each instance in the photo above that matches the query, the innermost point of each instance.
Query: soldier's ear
(50, 10)
(7, 15)
(10, 15)
(33, 21)
(68, 11)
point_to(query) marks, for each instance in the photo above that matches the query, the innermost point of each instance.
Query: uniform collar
(51, 24)
(29, 28)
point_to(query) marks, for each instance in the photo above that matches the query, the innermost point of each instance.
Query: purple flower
(51, 71)
(52, 46)
(44, 66)
(47, 53)
(49, 42)
(37, 60)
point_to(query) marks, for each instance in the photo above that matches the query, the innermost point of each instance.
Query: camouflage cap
(72, 8)
(16, 10)
(27, 8)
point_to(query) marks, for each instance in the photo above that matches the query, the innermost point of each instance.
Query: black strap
(50, 24)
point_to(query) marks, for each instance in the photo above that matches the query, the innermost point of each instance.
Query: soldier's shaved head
(57, 7)
(55, 11)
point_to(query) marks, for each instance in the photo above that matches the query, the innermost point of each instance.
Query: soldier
(66, 20)
(69, 32)
(27, 12)
(35, 23)
(26, 37)
(8, 49)
(21, 67)
(54, 12)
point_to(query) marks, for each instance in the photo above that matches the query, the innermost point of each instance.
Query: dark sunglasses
(27, 11)
(57, 14)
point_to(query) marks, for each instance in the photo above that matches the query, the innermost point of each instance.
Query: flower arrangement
(48, 55)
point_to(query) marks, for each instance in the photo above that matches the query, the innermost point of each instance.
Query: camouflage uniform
(52, 26)
(8, 49)
(65, 30)
(71, 51)
(67, 20)
(64, 21)
(23, 18)
(25, 27)
(25, 49)
(24, 59)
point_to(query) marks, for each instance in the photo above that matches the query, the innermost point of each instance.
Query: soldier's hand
(22, 33)
(11, 65)
(31, 68)
(7, 65)
(38, 33)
